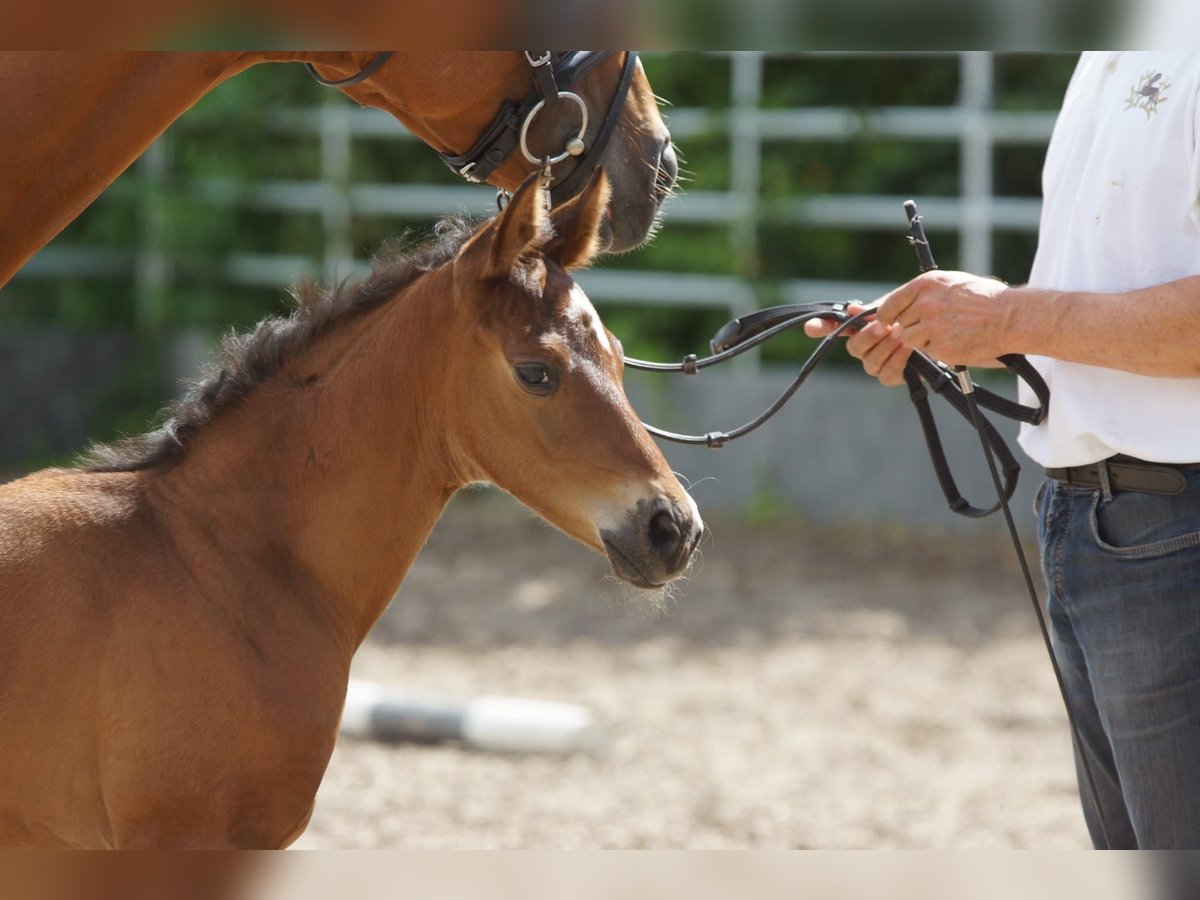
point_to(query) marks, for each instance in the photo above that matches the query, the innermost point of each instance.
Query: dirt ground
(806, 688)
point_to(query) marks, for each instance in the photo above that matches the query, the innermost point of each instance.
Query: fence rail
(976, 212)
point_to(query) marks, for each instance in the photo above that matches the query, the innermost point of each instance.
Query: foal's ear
(577, 224)
(522, 228)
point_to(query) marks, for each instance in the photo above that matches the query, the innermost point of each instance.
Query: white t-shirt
(1121, 211)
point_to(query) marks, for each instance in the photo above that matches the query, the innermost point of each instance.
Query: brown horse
(74, 121)
(177, 618)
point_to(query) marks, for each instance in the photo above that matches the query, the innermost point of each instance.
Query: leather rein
(553, 75)
(921, 375)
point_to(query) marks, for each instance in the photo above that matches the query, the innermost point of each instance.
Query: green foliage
(689, 80)
(864, 81)
(1031, 81)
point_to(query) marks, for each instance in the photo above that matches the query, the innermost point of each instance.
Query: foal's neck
(339, 462)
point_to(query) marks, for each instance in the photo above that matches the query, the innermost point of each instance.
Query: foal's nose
(666, 537)
(673, 532)
(655, 543)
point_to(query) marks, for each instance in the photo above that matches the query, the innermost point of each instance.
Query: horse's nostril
(668, 170)
(665, 535)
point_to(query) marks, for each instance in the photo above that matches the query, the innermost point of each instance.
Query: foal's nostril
(665, 535)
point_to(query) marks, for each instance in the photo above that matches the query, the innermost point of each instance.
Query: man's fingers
(892, 373)
(870, 341)
(886, 355)
(817, 328)
(916, 336)
(893, 303)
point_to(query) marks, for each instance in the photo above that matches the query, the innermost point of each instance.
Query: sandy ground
(807, 688)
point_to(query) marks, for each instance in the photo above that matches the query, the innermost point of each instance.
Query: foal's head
(539, 406)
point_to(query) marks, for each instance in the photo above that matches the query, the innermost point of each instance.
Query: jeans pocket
(1142, 526)
(1037, 498)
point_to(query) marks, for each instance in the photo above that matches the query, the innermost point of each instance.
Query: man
(1111, 318)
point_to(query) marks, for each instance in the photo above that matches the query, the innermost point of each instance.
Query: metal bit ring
(575, 146)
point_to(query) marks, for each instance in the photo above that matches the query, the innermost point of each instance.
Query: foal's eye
(535, 376)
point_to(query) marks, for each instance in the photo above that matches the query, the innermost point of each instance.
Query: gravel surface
(805, 688)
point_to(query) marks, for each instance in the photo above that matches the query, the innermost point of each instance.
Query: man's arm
(963, 319)
(1149, 331)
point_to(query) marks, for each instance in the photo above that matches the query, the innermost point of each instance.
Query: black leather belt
(1126, 474)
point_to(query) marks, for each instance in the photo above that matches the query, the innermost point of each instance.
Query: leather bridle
(553, 75)
(376, 63)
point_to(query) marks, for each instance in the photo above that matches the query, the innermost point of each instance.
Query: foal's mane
(245, 361)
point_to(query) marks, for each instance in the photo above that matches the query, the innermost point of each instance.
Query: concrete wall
(844, 450)
(51, 386)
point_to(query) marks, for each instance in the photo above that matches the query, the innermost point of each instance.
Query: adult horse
(74, 121)
(178, 617)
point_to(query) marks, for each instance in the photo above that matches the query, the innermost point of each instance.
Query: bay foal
(177, 618)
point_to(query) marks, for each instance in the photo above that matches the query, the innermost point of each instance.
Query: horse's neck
(338, 464)
(74, 121)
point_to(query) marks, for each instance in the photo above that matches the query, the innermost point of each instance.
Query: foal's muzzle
(656, 543)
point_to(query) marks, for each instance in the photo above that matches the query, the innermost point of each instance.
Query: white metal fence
(972, 121)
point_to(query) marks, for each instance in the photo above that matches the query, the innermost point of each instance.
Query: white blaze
(580, 308)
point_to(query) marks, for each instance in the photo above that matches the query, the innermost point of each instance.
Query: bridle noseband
(554, 74)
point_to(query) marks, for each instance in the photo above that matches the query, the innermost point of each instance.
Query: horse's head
(539, 407)
(450, 98)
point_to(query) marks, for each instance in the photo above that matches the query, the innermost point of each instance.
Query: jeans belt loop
(1105, 481)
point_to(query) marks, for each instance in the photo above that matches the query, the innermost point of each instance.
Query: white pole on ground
(489, 723)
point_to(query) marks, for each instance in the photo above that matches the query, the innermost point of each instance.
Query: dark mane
(245, 361)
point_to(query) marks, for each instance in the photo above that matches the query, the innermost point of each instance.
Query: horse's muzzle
(667, 173)
(657, 543)
(634, 217)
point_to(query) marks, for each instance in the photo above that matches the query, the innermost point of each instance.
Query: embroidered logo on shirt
(1148, 93)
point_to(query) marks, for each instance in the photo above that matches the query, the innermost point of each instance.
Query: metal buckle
(465, 172)
(543, 60)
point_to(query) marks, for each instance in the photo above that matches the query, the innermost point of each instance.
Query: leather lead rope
(922, 375)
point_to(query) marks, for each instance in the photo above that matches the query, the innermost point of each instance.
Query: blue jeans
(1123, 581)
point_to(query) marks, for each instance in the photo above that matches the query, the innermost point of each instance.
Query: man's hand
(878, 346)
(958, 318)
